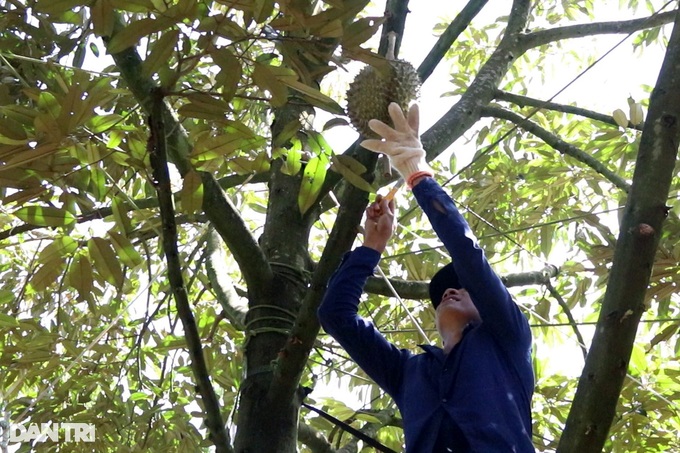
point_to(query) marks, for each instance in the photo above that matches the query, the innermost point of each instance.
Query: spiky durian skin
(372, 91)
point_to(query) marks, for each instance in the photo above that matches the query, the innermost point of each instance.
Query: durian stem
(391, 44)
(386, 167)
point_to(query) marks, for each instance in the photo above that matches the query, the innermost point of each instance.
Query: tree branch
(599, 387)
(161, 175)
(220, 211)
(235, 309)
(446, 40)
(366, 433)
(144, 203)
(570, 317)
(481, 91)
(557, 143)
(539, 38)
(524, 101)
(395, 14)
(313, 439)
(417, 290)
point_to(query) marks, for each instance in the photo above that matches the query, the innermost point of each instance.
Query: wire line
(403, 305)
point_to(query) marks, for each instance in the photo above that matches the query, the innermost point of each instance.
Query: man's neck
(451, 338)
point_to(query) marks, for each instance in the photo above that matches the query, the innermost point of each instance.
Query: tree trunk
(262, 427)
(268, 424)
(600, 384)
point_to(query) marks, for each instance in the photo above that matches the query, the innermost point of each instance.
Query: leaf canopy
(248, 85)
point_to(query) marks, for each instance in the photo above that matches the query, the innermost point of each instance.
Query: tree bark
(272, 314)
(600, 384)
(542, 37)
(466, 112)
(446, 40)
(412, 289)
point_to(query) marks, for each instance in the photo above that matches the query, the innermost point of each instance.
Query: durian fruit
(372, 90)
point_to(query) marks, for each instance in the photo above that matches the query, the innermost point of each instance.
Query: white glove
(401, 144)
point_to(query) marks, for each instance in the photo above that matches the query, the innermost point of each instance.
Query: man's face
(456, 309)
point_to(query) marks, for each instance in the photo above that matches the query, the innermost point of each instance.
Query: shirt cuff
(366, 255)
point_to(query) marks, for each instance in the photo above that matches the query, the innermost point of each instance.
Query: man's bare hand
(379, 224)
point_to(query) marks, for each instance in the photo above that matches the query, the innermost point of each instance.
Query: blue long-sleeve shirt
(483, 387)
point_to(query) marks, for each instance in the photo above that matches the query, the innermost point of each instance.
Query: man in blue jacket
(474, 393)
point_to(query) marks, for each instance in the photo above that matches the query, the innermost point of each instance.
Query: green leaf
(102, 123)
(319, 144)
(315, 97)
(97, 184)
(220, 146)
(609, 135)
(183, 10)
(49, 103)
(244, 165)
(265, 78)
(59, 248)
(126, 251)
(6, 296)
(94, 48)
(133, 33)
(638, 358)
(161, 51)
(138, 396)
(80, 276)
(193, 110)
(241, 5)
(367, 418)
(230, 71)
(12, 130)
(23, 157)
(312, 181)
(293, 162)
(119, 209)
(339, 410)
(334, 122)
(453, 163)
(103, 18)
(115, 139)
(171, 342)
(105, 261)
(8, 321)
(35, 356)
(347, 167)
(20, 114)
(47, 274)
(262, 9)
(665, 335)
(134, 6)
(56, 7)
(331, 29)
(191, 195)
(45, 216)
(547, 238)
(288, 131)
(211, 103)
(360, 31)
